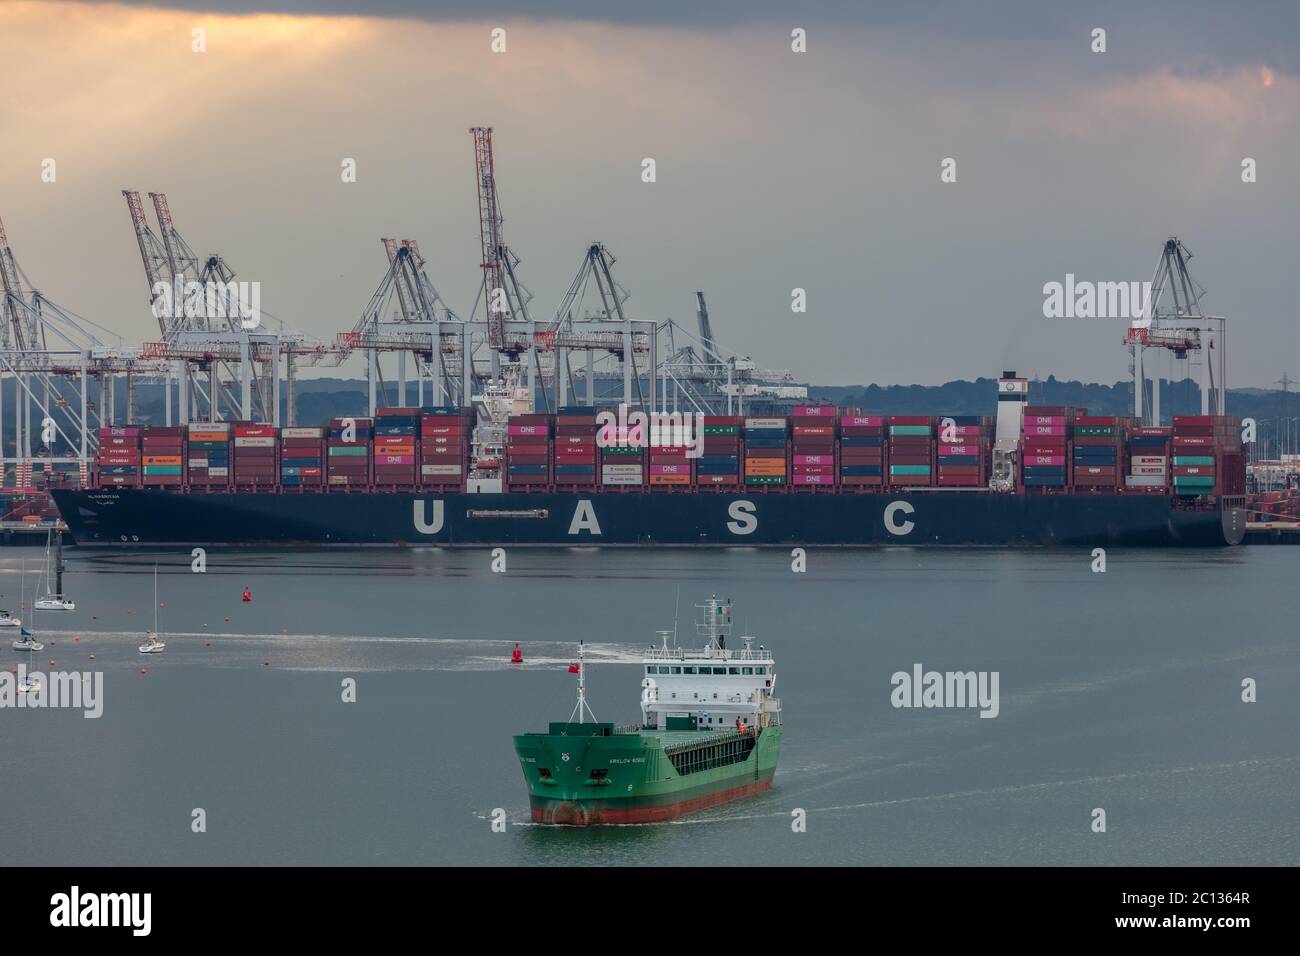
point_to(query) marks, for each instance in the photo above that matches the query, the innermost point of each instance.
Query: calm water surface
(1119, 690)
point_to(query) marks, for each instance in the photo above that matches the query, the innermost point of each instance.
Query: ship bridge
(714, 687)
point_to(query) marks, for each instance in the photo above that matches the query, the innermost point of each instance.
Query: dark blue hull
(125, 517)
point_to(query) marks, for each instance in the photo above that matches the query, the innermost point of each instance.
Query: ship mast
(582, 708)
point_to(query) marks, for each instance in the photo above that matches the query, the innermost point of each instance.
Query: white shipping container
(218, 472)
(441, 470)
(198, 462)
(765, 423)
(268, 442)
(1150, 460)
(621, 470)
(209, 426)
(620, 480)
(302, 432)
(1144, 481)
(1148, 469)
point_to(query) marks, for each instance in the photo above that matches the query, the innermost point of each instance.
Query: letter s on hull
(892, 524)
(744, 519)
(424, 526)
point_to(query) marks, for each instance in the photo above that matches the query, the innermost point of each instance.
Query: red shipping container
(909, 419)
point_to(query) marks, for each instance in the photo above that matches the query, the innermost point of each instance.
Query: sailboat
(152, 645)
(27, 641)
(55, 601)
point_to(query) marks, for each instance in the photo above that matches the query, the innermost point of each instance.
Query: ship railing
(706, 653)
(706, 741)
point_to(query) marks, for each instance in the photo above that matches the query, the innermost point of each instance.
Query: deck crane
(1172, 320)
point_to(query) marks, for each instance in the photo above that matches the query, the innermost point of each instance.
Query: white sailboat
(8, 620)
(54, 601)
(152, 645)
(28, 643)
(25, 642)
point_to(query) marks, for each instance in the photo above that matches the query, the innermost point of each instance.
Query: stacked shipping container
(911, 450)
(254, 465)
(162, 456)
(813, 447)
(347, 453)
(393, 452)
(962, 452)
(528, 452)
(575, 448)
(445, 433)
(208, 454)
(862, 451)
(117, 462)
(1097, 450)
(766, 451)
(1148, 457)
(302, 458)
(718, 466)
(1044, 446)
(1208, 458)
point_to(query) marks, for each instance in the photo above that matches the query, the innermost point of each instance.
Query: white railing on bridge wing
(707, 653)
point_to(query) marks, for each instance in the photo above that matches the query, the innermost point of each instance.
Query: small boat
(54, 601)
(8, 620)
(152, 645)
(28, 643)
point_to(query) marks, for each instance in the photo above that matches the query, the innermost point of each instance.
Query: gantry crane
(1172, 320)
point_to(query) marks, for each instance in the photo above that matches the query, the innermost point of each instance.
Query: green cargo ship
(710, 733)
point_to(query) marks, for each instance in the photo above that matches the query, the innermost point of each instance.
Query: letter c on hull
(425, 526)
(892, 524)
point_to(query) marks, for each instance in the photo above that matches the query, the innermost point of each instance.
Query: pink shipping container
(1044, 459)
(814, 459)
(863, 421)
(529, 429)
(814, 411)
(826, 479)
(670, 469)
(971, 450)
(1053, 431)
(394, 459)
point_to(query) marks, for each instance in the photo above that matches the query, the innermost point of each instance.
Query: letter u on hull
(423, 523)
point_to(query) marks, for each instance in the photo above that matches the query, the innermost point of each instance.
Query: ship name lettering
(892, 524)
(584, 519)
(423, 524)
(744, 517)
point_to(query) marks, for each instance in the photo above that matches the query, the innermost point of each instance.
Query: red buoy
(516, 656)
(248, 595)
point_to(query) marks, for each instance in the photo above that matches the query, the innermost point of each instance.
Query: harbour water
(1119, 690)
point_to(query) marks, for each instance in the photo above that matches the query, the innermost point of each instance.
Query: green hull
(587, 775)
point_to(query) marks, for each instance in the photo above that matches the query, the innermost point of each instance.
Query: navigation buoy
(516, 656)
(162, 604)
(248, 595)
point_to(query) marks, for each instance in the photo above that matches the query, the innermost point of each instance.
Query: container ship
(710, 733)
(1029, 476)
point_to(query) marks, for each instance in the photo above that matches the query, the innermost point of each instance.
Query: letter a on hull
(422, 523)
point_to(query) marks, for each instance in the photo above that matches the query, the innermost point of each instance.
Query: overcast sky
(775, 169)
